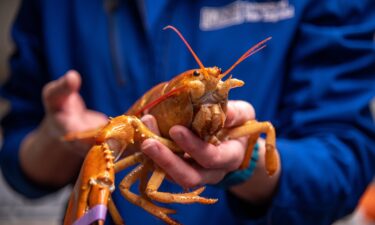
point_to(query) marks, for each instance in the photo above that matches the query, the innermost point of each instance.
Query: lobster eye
(196, 73)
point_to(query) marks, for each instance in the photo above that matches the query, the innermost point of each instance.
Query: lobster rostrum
(196, 99)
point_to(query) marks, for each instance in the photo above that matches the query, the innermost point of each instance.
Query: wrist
(45, 159)
(239, 176)
(260, 187)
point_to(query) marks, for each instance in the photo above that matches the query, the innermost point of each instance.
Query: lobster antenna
(158, 100)
(256, 48)
(188, 46)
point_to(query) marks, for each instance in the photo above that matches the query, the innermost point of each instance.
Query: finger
(151, 123)
(179, 170)
(94, 119)
(56, 92)
(239, 112)
(228, 155)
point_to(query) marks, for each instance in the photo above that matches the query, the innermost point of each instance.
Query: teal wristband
(240, 176)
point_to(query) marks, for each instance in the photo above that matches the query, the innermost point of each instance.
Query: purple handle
(98, 212)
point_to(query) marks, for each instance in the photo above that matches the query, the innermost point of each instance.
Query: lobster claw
(89, 199)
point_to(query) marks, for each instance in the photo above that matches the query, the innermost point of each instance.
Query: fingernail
(149, 147)
(228, 123)
(176, 133)
(146, 120)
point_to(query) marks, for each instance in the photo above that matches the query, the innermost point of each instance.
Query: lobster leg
(157, 211)
(251, 142)
(117, 219)
(142, 133)
(131, 160)
(253, 128)
(88, 136)
(128, 161)
(143, 180)
(185, 198)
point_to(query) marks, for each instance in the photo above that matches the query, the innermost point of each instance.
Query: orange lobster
(196, 99)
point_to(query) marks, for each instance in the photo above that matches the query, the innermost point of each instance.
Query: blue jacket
(314, 82)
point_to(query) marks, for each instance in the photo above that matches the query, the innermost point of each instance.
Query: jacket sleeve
(326, 135)
(23, 91)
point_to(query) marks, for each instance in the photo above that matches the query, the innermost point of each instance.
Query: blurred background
(14, 209)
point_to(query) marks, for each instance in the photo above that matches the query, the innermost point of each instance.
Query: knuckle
(233, 166)
(239, 112)
(246, 110)
(166, 164)
(46, 91)
(219, 175)
(212, 163)
(190, 181)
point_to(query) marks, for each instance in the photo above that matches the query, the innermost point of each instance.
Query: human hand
(66, 110)
(210, 162)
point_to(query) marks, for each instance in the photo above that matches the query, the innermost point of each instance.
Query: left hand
(210, 162)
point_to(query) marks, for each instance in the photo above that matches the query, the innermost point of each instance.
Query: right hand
(44, 157)
(66, 111)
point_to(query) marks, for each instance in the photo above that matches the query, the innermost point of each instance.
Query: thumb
(56, 92)
(151, 123)
(238, 112)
